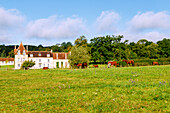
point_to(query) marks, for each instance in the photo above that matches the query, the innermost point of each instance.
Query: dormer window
(24, 52)
(48, 55)
(39, 54)
(31, 55)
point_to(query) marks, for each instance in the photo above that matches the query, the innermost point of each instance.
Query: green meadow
(121, 89)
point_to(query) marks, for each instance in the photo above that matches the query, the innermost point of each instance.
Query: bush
(121, 64)
(143, 61)
(164, 61)
(146, 62)
(27, 64)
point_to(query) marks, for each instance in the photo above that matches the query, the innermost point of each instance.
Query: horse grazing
(78, 65)
(129, 62)
(155, 63)
(96, 66)
(112, 63)
(83, 65)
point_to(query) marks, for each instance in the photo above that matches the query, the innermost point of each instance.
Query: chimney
(27, 47)
(65, 55)
(15, 47)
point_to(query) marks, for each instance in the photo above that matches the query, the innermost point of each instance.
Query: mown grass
(6, 67)
(128, 89)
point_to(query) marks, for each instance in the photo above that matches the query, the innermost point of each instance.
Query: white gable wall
(19, 59)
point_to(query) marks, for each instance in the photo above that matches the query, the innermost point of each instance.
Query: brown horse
(129, 62)
(155, 63)
(96, 66)
(83, 65)
(112, 63)
(78, 65)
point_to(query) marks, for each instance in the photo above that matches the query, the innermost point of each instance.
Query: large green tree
(78, 55)
(101, 48)
(164, 46)
(108, 48)
(81, 41)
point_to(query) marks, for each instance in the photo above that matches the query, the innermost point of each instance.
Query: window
(18, 65)
(48, 55)
(39, 65)
(44, 65)
(48, 65)
(24, 52)
(18, 59)
(31, 55)
(39, 54)
(23, 59)
(18, 52)
(48, 60)
(3, 62)
(39, 60)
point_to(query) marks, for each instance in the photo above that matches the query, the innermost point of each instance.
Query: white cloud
(10, 20)
(55, 27)
(150, 20)
(106, 22)
(4, 39)
(155, 36)
(150, 36)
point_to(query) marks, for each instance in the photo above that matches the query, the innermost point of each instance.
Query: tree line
(105, 48)
(7, 51)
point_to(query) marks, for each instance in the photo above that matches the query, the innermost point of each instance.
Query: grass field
(128, 89)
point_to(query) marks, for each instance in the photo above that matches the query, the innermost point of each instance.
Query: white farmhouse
(6, 61)
(41, 58)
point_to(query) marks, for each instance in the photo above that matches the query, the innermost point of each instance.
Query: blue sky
(49, 22)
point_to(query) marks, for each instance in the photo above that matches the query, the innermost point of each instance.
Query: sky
(49, 22)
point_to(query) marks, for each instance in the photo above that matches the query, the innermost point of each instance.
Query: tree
(78, 55)
(27, 64)
(81, 41)
(153, 50)
(65, 46)
(11, 54)
(3, 54)
(142, 41)
(164, 46)
(40, 47)
(101, 48)
(56, 48)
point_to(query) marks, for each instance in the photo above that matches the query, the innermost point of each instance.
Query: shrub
(146, 61)
(122, 64)
(27, 64)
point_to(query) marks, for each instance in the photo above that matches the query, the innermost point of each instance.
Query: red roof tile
(21, 48)
(60, 55)
(43, 53)
(6, 59)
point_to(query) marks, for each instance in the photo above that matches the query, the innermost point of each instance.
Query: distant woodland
(105, 48)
